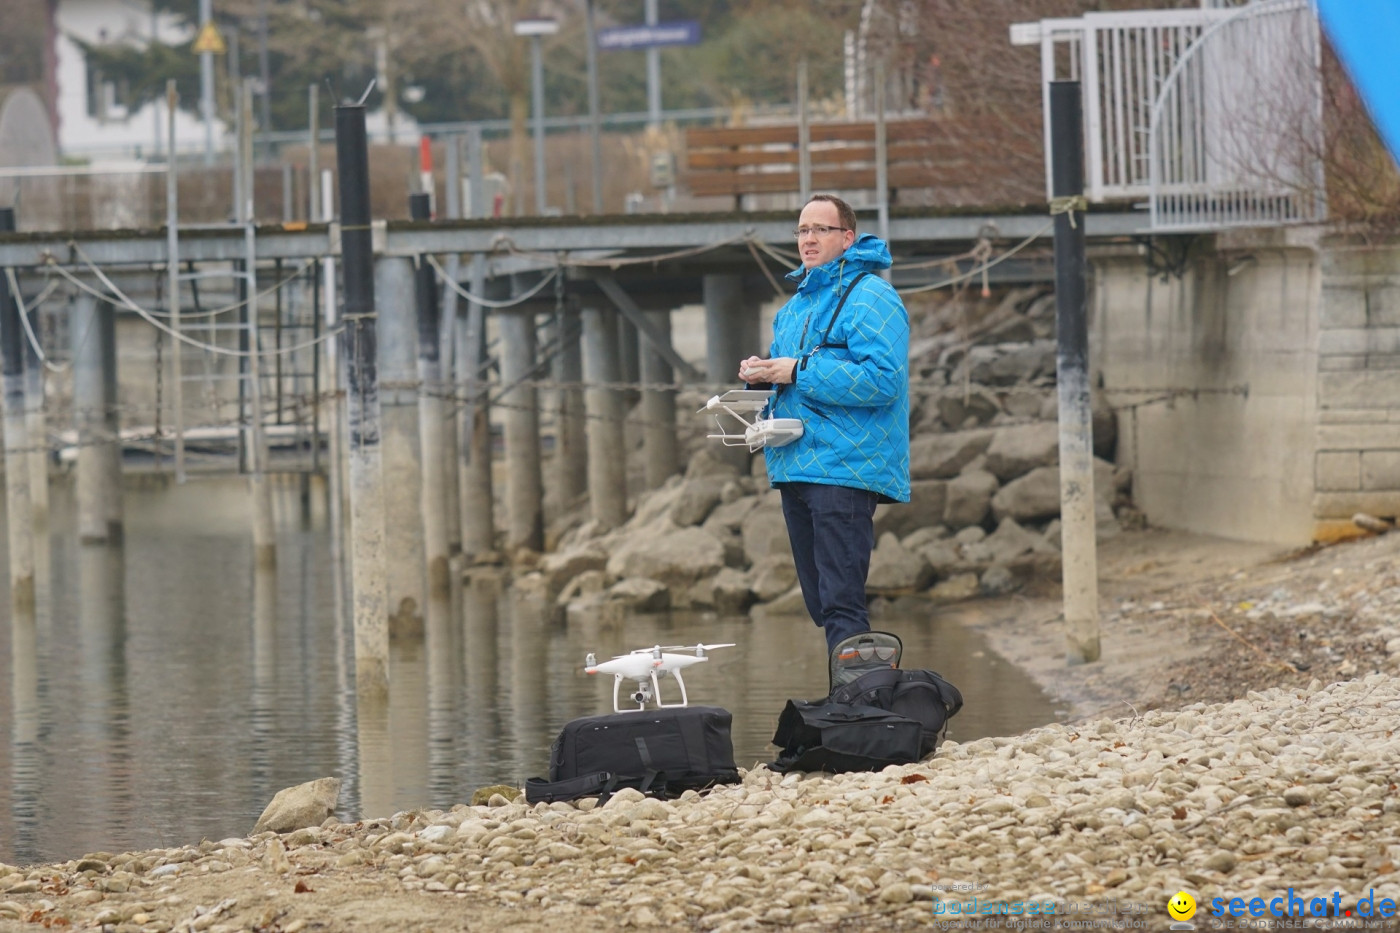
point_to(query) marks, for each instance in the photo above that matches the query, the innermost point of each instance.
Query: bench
(736, 161)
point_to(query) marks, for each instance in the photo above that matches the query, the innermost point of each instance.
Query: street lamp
(536, 29)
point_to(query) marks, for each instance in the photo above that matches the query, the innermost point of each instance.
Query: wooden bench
(736, 161)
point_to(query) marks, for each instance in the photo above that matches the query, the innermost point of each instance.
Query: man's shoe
(861, 653)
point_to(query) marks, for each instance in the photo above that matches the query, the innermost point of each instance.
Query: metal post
(570, 426)
(335, 407)
(19, 510)
(524, 484)
(206, 85)
(172, 269)
(804, 136)
(362, 382)
(265, 74)
(432, 413)
(239, 199)
(88, 418)
(474, 429)
(653, 74)
(36, 423)
(1079, 549)
(730, 336)
(594, 135)
(607, 462)
(451, 363)
(882, 161)
(537, 83)
(111, 501)
(313, 159)
(403, 504)
(659, 408)
(260, 491)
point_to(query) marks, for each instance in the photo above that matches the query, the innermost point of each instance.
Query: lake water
(164, 691)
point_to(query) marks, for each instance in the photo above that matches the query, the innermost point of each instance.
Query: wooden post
(607, 455)
(19, 515)
(362, 413)
(1077, 520)
(432, 415)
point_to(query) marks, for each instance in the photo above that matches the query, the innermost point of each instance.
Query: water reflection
(166, 689)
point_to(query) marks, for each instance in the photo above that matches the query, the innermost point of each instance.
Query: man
(840, 363)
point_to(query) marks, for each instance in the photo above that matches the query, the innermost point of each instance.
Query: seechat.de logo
(1181, 907)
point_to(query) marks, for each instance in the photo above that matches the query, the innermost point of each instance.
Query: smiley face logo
(1181, 906)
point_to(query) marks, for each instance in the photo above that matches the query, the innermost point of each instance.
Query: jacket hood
(868, 252)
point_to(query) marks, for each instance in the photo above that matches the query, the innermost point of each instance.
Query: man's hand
(777, 371)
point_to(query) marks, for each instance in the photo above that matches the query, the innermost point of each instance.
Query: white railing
(1209, 114)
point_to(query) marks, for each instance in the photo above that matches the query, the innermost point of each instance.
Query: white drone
(758, 433)
(646, 666)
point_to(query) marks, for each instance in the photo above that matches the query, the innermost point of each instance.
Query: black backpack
(884, 717)
(661, 752)
(923, 696)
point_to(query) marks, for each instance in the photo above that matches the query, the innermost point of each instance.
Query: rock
(729, 516)
(894, 569)
(790, 603)
(707, 463)
(945, 558)
(943, 455)
(968, 497)
(956, 588)
(731, 592)
(1029, 498)
(773, 576)
(1105, 421)
(297, 807)
(1018, 449)
(588, 583)
(560, 569)
(1009, 363)
(676, 557)
(639, 594)
(1222, 862)
(1010, 541)
(974, 406)
(765, 531)
(925, 536)
(482, 795)
(998, 580)
(697, 500)
(927, 499)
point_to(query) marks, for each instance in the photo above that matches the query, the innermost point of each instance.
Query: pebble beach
(1286, 789)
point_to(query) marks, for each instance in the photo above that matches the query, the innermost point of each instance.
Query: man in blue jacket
(840, 363)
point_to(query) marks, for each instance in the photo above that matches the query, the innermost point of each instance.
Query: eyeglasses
(817, 229)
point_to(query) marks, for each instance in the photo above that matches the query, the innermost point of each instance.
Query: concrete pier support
(731, 334)
(524, 482)
(477, 498)
(629, 359)
(432, 417)
(607, 453)
(398, 372)
(36, 425)
(99, 453)
(658, 408)
(19, 517)
(570, 466)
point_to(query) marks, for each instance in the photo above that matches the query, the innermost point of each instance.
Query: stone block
(1358, 390)
(1338, 470)
(1380, 470)
(1342, 307)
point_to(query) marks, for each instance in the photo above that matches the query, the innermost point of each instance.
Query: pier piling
(607, 452)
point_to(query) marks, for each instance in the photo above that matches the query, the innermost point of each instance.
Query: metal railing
(1212, 115)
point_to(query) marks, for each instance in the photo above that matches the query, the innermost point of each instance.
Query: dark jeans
(832, 533)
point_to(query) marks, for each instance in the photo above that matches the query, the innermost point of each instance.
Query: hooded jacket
(852, 388)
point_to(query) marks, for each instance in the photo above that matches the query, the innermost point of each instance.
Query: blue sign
(681, 32)
(1364, 33)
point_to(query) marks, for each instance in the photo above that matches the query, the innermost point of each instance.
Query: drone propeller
(698, 649)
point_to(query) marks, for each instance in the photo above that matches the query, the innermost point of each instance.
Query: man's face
(817, 249)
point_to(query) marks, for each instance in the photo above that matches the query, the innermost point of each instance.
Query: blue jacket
(852, 395)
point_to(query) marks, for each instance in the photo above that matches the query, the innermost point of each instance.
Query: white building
(94, 120)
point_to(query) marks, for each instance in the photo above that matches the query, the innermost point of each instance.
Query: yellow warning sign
(209, 40)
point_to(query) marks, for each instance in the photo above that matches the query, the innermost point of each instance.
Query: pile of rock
(983, 516)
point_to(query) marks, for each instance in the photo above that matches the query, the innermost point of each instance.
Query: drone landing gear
(649, 689)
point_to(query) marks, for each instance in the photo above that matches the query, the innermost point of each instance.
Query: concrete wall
(1235, 465)
(1358, 392)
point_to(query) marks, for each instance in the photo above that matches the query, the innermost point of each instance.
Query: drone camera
(639, 697)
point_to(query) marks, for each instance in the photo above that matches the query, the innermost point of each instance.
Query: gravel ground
(1260, 761)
